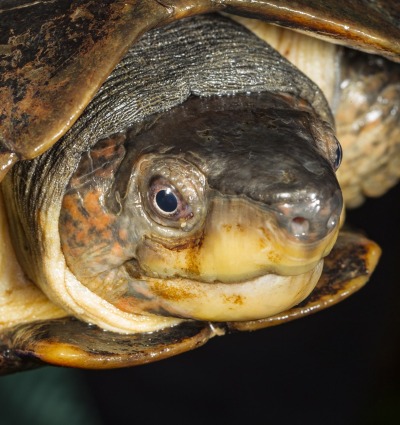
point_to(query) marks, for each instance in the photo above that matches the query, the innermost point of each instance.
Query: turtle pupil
(166, 201)
(338, 158)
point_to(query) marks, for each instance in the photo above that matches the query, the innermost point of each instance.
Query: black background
(340, 366)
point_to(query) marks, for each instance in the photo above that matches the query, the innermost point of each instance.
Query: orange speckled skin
(88, 232)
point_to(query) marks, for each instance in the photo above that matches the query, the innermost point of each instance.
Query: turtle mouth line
(256, 298)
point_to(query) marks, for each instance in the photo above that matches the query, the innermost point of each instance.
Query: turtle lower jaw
(253, 299)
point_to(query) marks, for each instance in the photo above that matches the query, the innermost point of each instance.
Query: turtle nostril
(299, 226)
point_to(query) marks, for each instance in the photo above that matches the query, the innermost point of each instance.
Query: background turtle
(26, 339)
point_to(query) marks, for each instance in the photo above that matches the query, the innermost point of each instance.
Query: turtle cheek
(100, 232)
(90, 239)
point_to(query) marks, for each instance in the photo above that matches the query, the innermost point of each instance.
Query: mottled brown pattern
(89, 235)
(53, 57)
(55, 54)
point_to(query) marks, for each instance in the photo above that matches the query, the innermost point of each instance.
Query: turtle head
(221, 208)
(199, 188)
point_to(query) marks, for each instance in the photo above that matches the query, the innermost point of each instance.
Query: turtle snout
(312, 216)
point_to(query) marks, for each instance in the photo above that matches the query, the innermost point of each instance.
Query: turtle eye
(338, 156)
(167, 202)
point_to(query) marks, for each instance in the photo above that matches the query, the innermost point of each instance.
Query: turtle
(168, 176)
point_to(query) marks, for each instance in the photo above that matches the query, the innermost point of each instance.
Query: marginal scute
(69, 342)
(63, 51)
